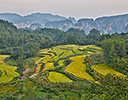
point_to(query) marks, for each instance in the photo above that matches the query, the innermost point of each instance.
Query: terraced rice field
(67, 53)
(62, 52)
(46, 59)
(8, 73)
(78, 69)
(90, 46)
(38, 68)
(45, 50)
(48, 66)
(1, 62)
(38, 60)
(58, 77)
(2, 57)
(61, 62)
(104, 69)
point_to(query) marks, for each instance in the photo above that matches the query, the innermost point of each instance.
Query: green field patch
(58, 77)
(104, 69)
(78, 68)
(8, 73)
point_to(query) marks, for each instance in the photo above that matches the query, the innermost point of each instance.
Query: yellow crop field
(77, 51)
(1, 62)
(67, 53)
(104, 69)
(89, 52)
(48, 66)
(90, 46)
(46, 59)
(8, 73)
(58, 77)
(64, 51)
(94, 47)
(51, 54)
(56, 58)
(61, 62)
(38, 68)
(78, 69)
(39, 60)
(57, 50)
(4, 56)
(44, 50)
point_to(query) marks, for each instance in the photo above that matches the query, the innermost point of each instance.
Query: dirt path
(25, 73)
(33, 75)
(68, 65)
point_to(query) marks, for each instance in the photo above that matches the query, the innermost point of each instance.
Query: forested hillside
(50, 64)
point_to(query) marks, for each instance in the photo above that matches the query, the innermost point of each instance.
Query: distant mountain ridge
(34, 21)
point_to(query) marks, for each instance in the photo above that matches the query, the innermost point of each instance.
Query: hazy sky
(74, 8)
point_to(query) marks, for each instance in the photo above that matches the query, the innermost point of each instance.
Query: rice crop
(58, 77)
(78, 68)
(104, 69)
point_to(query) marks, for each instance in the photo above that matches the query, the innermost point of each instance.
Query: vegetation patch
(58, 77)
